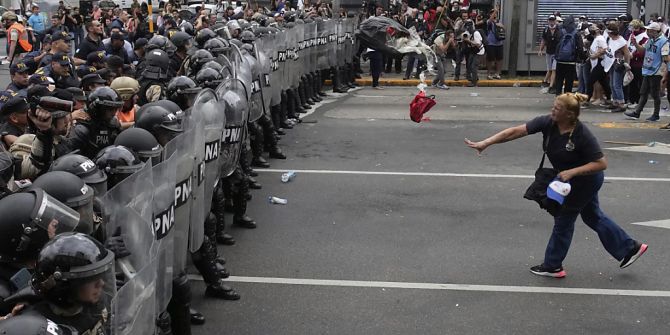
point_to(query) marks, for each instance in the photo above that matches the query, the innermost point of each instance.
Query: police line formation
(100, 240)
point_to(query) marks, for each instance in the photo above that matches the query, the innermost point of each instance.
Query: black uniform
(90, 136)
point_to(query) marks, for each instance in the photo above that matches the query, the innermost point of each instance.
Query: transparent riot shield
(208, 126)
(322, 42)
(135, 192)
(332, 42)
(232, 94)
(263, 51)
(275, 74)
(340, 49)
(164, 179)
(182, 147)
(281, 61)
(298, 60)
(243, 71)
(134, 308)
(256, 106)
(289, 67)
(310, 37)
(228, 70)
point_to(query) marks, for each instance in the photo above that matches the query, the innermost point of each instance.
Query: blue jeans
(614, 239)
(584, 72)
(616, 82)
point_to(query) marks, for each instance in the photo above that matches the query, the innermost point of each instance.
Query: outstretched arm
(506, 135)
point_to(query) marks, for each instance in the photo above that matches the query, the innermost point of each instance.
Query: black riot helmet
(181, 40)
(156, 64)
(103, 103)
(28, 220)
(33, 324)
(66, 264)
(199, 58)
(161, 123)
(212, 65)
(187, 27)
(71, 191)
(141, 142)
(183, 90)
(247, 37)
(83, 168)
(208, 78)
(203, 36)
(163, 43)
(216, 46)
(118, 162)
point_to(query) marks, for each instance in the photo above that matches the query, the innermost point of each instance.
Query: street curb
(481, 83)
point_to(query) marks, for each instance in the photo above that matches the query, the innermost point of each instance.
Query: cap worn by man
(92, 78)
(61, 36)
(40, 79)
(15, 104)
(653, 26)
(61, 58)
(9, 16)
(95, 57)
(19, 67)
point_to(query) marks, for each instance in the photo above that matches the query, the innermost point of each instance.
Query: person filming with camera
(470, 43)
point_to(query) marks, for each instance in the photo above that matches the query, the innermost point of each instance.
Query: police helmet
(163, 43)
(208, 78)
(142, 143)
(126, 87)
(198, 59)
(216, 46)
(68, 262)
(102, 100)
(34, 324)
(233, 25)
(161, 123)
(156, 64)
(181, 39)
(83, 168)
(29, 220)
(203, 36)
(182, 90)
(247, 36)
(118, 162)
(187, 27)
(212, 65)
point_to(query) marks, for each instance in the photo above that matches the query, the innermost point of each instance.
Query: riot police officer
(152, 87)
(182, 90)
(34, 325)
(118, 162)
(90, 136)
(75, 277)
(29, 220)
(83, 168)
(141, 142)
(183, 42)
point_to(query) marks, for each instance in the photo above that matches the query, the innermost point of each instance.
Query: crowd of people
(618, 63)
(87, 114)
(456, 33)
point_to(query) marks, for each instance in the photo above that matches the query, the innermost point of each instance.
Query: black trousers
(635, 85)
(565, 77)
(376, 66)
(650, 85)
(598, 75)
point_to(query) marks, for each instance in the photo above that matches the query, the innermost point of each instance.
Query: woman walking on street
(574, 151)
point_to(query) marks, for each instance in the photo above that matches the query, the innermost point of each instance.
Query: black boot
(309, 88)
(304, 82)
(221, 291)
(319, 84)
(218, 207)
(254, 184)
(180, 305)
(302, 97)
(196, 317)
(275, 112)
(283, 109)
(337, 84)
(297, 104)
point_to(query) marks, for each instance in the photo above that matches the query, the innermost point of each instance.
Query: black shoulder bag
(537, 191)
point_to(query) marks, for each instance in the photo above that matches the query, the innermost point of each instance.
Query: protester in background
(597, 56)
(550, 38)
(36, 21)
(638, 37)
(494, 49)
(444, 47)
(619, 55)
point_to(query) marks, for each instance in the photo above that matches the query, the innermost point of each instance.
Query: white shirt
(613, 46)
(477, 38)
(598, 43)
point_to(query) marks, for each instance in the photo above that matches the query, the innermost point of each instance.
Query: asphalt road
(372, 249)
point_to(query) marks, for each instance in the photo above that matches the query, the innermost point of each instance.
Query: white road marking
(658, 224)
(658, 148)
(447, 287)
(441, 174)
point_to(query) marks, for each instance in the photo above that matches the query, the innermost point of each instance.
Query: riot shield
(275, 77)
(332, 42)
(232, 94)
(243, 71)
(263, 49)
(340, 50)
(228, 70)
(310, 39)
(298, 64)
(322, 41)
(208, 122)
(134, 306)
(256, 106)
(164, 181)
(135, 192)
(182, 147)
(282, 45)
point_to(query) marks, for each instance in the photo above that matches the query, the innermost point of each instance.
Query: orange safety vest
(23, 37)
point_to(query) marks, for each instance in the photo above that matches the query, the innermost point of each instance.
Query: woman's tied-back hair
(571, 102)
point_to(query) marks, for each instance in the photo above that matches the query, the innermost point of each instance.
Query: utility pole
(514, 37)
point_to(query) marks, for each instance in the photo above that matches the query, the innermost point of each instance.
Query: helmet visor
(99, 189)
(86, 218)
(52, 215)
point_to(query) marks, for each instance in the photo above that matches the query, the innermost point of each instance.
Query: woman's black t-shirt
(586, 150)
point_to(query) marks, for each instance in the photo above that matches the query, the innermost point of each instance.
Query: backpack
(498, 31)
(431, 39)
(567, 47)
